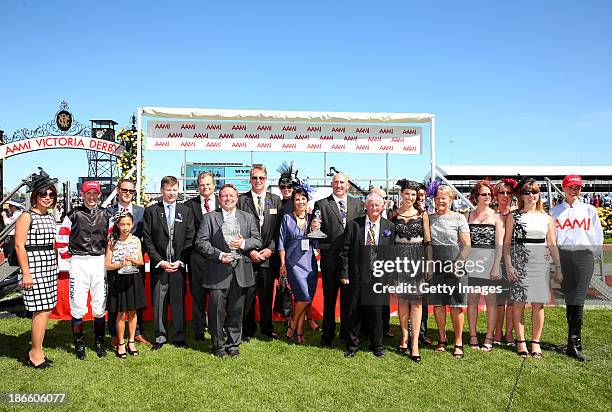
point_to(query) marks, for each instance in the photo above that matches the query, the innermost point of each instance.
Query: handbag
(283, 300)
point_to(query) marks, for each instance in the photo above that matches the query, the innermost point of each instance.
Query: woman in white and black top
(34, 238)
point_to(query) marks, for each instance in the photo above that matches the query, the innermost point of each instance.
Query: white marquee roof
(285, 116)
(512, 170)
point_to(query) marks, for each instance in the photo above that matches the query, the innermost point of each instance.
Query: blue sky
(510, 83)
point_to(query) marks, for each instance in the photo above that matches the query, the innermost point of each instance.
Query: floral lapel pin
(179, 217)
(386, 233)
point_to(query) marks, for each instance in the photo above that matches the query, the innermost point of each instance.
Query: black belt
(38, 248)
(529, 240)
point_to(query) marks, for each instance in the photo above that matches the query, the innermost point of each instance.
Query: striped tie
(371, 235)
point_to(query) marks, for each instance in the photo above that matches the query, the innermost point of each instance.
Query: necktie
(371, 235)
(169, 215)
(259, 206)
(206, 205)
(342, 211)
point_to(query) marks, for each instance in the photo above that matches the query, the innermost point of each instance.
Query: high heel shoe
(121, 355)
(474, 345)
(535, 354)
(402, 349)
(289, 328)
(132, 352)
(300, 339)
(313, 325)
(487, 347)
(523, 353)
(28, 362)
(415, 358)
(458, 355)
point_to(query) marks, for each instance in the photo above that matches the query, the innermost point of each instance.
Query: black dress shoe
(272, 335)
(246, 339)
(199, 337)
(28, 362)
(350, 353)
(179, 344)
(379, 353)
(219, 353)
(233, 353)
(425, 340)
(326, 343)
(157, 346)
(389, 334)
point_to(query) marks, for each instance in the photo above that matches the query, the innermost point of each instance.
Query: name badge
(305, 244)
(272, 211)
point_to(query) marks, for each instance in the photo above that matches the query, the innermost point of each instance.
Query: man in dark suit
(336, 211)
(205, 202)
(227, 278)
(126, 190)
(266, 208)
(167, 231)
(365, 240)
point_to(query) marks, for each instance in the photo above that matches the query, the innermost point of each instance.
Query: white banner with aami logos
(283, 137)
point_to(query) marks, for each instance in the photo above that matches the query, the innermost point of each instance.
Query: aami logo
(200, 135)
(162, 144)
(339, 129)
(264, 127)
(239, 127)
(350, 138)
(213, 145)
(313, 129)
(175, 134)
(226, 136)
(251, 136)
(213, 127)
(363, 147)
(374, 139)
(239, 144)
(326, 137)
(187, 144)
(584, 224)
(289, 128)
(277, 136)
(385, 131)
(314, 146)
(289, 146)
(301, 137)
(162, 125)
(362, 130)
(338, 147)
(190, 126)
(410, 148)
(397, 139)
(385, 147)
(264, 145)
(411, 132)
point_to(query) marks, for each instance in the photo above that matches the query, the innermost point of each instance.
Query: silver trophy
(317, 234)
(231, 230)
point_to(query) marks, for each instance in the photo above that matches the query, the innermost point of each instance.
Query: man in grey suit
(227, 279)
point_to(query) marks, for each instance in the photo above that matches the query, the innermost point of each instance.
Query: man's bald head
(340, 184)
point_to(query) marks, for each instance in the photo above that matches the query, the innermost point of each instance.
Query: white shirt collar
(129, 208)
(338, 199)
(262, 195)
(226, 214)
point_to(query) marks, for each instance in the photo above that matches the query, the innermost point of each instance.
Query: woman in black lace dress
(486, 237)
(412, 238)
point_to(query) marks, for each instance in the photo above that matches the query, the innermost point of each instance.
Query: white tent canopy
(283, 116)
(286, 116)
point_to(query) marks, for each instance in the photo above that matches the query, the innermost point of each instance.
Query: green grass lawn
(282, 376)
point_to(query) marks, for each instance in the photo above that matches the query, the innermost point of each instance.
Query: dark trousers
(225, 309)
(168, 288)
(331, 285)
(577, 267)
(198, 302)
(424, 316)
(371, 313)
(264, 290)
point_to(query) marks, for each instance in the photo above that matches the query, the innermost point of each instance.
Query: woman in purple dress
(298, 262)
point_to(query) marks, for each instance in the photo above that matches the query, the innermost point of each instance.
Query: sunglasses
(258, 178)
(46, 195)
(529, 192)
(283, 187)
(505, 193)
(484, 194)
(130, 191)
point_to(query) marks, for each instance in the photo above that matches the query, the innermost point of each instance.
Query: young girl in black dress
(125, 289)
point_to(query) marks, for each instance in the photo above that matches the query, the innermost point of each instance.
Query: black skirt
(125, 292)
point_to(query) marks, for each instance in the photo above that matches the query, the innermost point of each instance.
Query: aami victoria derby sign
(283, 137)
(60, 142)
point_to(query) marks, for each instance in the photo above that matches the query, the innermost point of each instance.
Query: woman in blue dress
(298, 262)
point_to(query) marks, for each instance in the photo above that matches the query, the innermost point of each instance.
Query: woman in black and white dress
(34, 239)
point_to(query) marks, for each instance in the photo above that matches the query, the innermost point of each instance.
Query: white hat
(16, 204)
